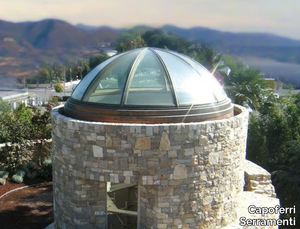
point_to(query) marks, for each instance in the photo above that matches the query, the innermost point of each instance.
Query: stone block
(203, 141)
(142, 143)
(116, 142)
(180, 172)
(108, 141)
(97, 151)
(164, 144)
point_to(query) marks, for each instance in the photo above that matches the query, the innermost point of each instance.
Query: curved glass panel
(109, 86)
(208, 77)
(189, 86)
(86, 81)
(148, 83)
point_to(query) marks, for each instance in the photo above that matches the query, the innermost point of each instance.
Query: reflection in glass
(150, 77)
(86, 81)
(208, 78)
(189, 86)
(109, 86)
(148, 83)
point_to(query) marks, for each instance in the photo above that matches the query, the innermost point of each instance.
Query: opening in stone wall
(122, 206)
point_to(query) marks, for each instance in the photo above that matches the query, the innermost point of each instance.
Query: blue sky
(281, 17)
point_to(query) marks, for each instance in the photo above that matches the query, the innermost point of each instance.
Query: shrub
(20, 173)
(31, 175)
(54, 100)
(18, 179)
(23, 168)
(46, 170)
(47, 163)
(31, 165)
(58, 87)
(13, 155)
(2, 181)
(4, 174)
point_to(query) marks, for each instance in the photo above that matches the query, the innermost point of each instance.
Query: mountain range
(25, 46)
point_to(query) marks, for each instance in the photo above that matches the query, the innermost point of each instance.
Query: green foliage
(47, 163)
(23, 168)
(14, 130)
(50, 73)
(23, 113)
(245, 85)
(84, 68)
(95, 60)
(276, 123)
(20, 173)
(2, 181)
(18, 179)
(14, 155)
(58, 87)
(5, 107)
(129, 40)
(46, 170)
(31, 165)
(161, 39)
(54, 100)
(286, 177)
(41, 122)
(16, 126)
(31, 175)
(206, 55)
(4, 174)
(274, 143)
(18, 129)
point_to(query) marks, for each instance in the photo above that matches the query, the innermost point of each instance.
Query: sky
(280, 17)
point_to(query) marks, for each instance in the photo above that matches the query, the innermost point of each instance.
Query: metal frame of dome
(125, 89)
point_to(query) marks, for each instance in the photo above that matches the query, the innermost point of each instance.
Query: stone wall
(189, 174)
(258, 180)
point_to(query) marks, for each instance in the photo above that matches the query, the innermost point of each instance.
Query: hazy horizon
(281, 18)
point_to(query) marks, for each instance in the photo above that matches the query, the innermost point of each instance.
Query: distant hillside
(261, 45)
(51, 33)
(229, 38)
(25, 46)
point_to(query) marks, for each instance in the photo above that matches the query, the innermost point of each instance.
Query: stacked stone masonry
(189, 174)
(258, 180)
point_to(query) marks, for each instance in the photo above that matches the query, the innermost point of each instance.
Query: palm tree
(206, 55)
(245, 85)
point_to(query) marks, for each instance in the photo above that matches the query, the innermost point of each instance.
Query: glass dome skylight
(148, 85)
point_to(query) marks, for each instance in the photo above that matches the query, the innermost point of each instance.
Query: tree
(5, 107)
(58, 87)
(286, 178)
(129, 40)
(23, 113)
(50, 73)
(245, 85)
(41, 121)
(16, 126)
(274, 143)
(206, 55)
(95, 60)
(161, 39)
